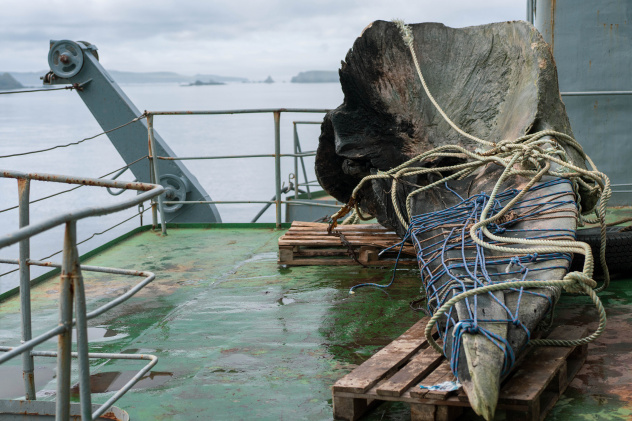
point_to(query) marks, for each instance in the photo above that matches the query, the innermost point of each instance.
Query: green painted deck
(239, 337)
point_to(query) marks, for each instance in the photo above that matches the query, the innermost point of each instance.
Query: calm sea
(41, 120)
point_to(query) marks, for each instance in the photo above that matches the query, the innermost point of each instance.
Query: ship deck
(240, 337)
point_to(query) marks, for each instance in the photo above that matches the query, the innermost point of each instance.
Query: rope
(75, 188)
(25, 91)
(86, 239)
(532, 156)
(78, 142)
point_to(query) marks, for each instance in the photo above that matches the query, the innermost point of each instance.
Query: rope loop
(578, 282)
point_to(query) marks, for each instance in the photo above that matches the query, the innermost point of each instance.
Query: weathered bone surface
(497, 82)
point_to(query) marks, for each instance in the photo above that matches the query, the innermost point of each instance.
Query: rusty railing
(71, 293)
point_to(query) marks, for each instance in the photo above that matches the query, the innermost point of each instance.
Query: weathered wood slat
(543, 364)
(385, 361)
(440, 375)
(417, 368)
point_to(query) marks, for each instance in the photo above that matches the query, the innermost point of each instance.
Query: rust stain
(110, 416)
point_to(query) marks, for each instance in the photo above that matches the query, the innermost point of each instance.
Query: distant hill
(8, 82)
(168, 77)
(200, 83)
(316, 76)
(33, 78)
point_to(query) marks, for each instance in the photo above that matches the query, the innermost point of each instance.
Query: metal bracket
(77, 62)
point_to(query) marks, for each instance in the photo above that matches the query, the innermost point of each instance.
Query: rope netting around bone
(451, 263)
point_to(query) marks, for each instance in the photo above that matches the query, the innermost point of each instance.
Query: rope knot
(580, 279)
(481, 199)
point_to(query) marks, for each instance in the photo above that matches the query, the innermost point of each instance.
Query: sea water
(42, 120)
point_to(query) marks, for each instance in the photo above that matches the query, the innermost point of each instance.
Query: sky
(245, 38)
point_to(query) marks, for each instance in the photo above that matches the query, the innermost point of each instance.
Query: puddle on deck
(12, 383)
(111, 381)
(99, 334)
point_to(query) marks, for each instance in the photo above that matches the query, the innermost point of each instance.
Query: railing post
(296, 182)
(24, 186)
(81, 328)
(152, 176)
(64, 343)
(154, 165)
(277, 164)
(300, 151)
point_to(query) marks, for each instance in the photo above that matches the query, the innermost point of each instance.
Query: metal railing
(158, 204)
(71, 292)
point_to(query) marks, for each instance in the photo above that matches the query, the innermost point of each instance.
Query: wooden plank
(385, 361)
(321, 225)
(304, 230)
(330, 243)
(539, 370)
(349, 237)
(345, 262)
(421, 365)
(360, 239)
(439, 375)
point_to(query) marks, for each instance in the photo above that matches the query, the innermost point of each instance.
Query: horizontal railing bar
(592, 93)
(219, 202)
(15, 351)
(235, 202)
(242, 111)
(307, 122)
(190, 158)
(153, 360)
(149, 277)
(33, 229)
(85, 181)
(324, 205)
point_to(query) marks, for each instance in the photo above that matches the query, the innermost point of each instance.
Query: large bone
(496, 82)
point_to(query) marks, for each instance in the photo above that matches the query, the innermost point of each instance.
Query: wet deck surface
(239, 337)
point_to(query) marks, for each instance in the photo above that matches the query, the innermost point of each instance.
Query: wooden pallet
(308, 243)
(395, 372)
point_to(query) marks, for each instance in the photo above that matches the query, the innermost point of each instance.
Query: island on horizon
(200, 83)
(317, 76)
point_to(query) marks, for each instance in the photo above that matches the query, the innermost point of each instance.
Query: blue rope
(445, 281)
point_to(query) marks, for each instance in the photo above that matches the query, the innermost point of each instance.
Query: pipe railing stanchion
(28, 366)
(64, 344)
(154, 164)
(296, 179)
(82, 335)
(277, 165)
(152, 175)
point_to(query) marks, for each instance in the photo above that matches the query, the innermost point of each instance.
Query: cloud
(244, 38)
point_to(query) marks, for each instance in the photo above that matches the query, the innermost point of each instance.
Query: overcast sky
(244, 38)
